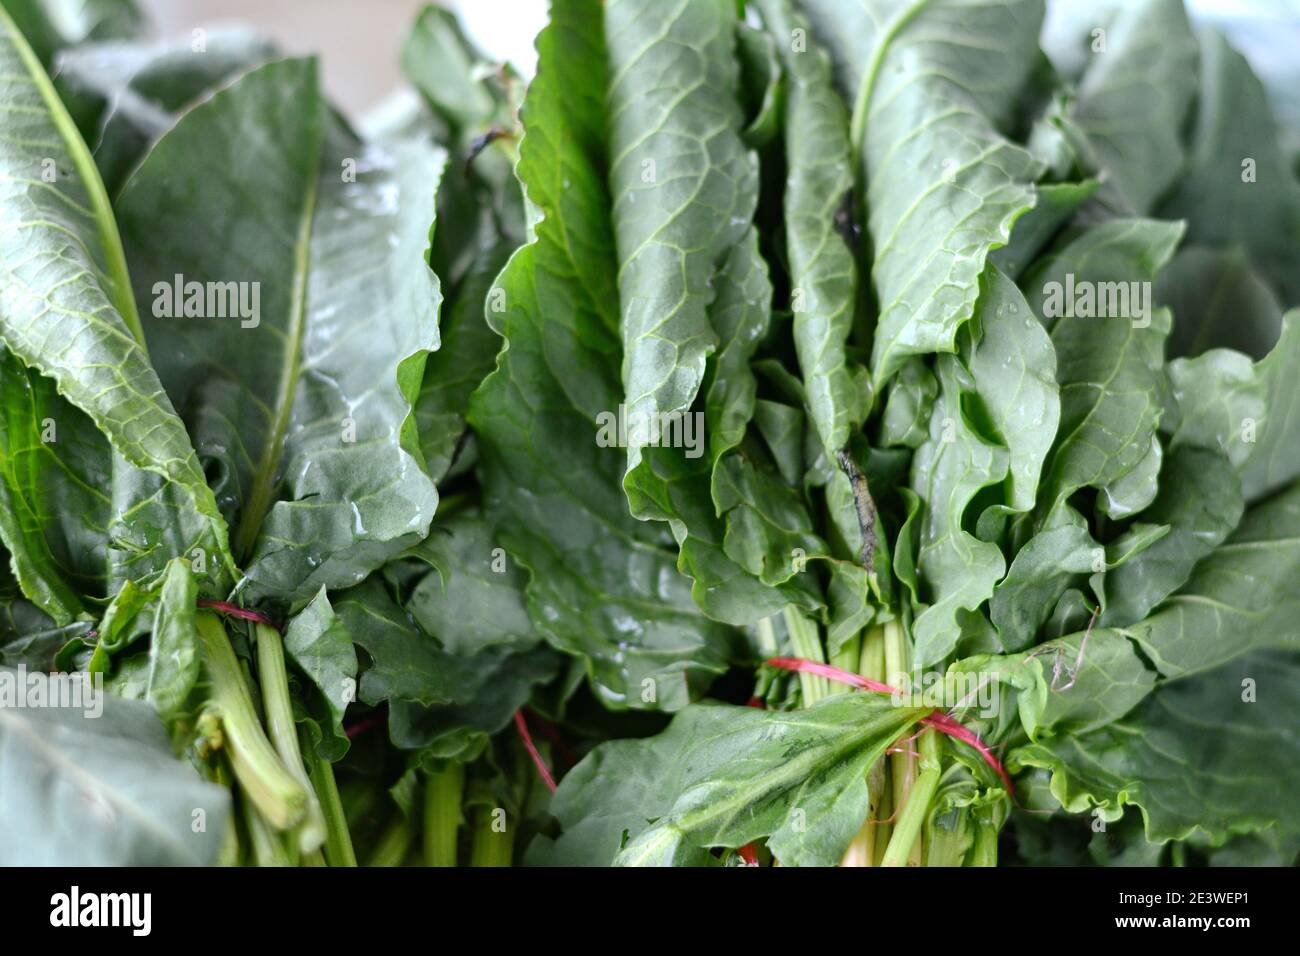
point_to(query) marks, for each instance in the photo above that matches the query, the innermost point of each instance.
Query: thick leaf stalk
(443, 794)
(276, 793)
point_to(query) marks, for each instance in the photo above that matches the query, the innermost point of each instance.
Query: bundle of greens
(817, 432)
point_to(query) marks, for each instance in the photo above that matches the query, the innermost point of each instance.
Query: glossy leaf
(1238, 599)
(85, 790)
(124, 96)
(301, 393)
(465, 357)
(1216, 401)
(1276, 459)
(724, 776)
(320, 645)
(1039, 575)
(52, 26)
(957, 569)
(1108, 365)
(1138, 81)
(1014, 368)
(602, 585)
(1200, 501)
(797, 779)
(476, 599)
(174, 656)
(1239, 189)
(683, 188)
(932, 84)
(819, 185)
(66, 310)
(1197, 756)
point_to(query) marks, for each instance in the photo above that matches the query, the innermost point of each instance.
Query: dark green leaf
(1215, 755)
(819, 186)
(932, 84)
(66, 310)
(1200, 501)
(602, 585)
(301, 396)
(174, 656)
(797, 779)
(126, 95)
(1109, 356)
(320, 645)
(1241, 598)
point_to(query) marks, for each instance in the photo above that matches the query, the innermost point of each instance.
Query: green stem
(948, 847)
(805, 643)
(931, 749)
(265, 846)
(274, 681)
(279, 797)
(865, 848)
(884, 810)
(442, 799)
(897, 658)
(872, 661)
(767, 642)
(984, 852)
(849, 655)
(765, 636)
(359, 798)
(490, 847)
(902, 763)
(393, 844)
(907, 828)
(338, 839)
(231, 852)
(905, 845)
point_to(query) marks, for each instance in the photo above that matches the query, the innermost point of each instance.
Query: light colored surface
(358, 41)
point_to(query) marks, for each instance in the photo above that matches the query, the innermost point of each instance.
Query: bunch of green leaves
(835, 231)
(159, 458)
(964, 323)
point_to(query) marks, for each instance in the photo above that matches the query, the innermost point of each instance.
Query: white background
(358, 40)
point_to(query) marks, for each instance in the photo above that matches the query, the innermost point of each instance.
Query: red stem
(944, 723)
(832, 673)
(553, 736)
(234, 610)
(354, 731)
(522, 726)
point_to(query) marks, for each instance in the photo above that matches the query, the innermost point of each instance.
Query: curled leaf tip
(865, 506)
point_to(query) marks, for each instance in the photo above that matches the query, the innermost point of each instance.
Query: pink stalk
(522, 726)
(234, 610)
(829, 672)
(359, 728)
(944, 723)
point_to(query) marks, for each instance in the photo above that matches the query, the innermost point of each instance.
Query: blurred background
(359, 40)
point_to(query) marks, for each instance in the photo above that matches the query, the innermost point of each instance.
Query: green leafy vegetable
(816, 433)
